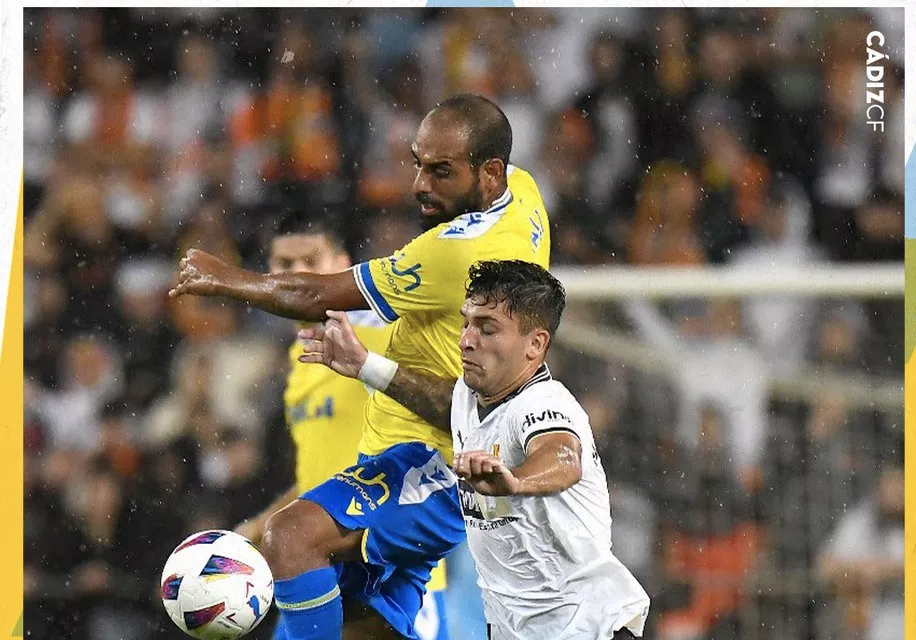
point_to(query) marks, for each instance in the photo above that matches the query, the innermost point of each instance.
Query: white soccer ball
(216, 586)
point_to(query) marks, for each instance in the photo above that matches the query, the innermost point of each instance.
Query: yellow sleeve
(419, 277)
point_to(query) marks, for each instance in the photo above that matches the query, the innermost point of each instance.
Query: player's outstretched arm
(337, 346)
(300, 296)
(554, 464)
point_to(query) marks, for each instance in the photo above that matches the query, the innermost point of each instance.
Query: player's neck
(498, 193)
(510, 387)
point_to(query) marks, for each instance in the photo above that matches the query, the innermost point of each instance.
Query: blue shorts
(406, 500)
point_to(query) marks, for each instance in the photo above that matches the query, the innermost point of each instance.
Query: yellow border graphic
(909, 416)
(11, 429)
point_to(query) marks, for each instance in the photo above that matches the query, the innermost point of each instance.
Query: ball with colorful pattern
(216, 586)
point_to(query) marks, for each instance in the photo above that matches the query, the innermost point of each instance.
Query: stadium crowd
(658, 137)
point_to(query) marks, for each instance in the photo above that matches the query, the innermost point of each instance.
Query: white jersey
(544, 563)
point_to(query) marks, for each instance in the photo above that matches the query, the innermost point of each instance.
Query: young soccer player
(533, 490)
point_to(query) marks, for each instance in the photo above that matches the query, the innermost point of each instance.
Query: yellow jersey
(420, 289)
(325, 411)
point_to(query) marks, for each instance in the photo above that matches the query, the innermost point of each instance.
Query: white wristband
(378, 371)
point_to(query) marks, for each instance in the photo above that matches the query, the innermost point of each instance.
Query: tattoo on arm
(430, 397)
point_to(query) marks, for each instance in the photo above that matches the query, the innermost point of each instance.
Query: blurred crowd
(668, 137)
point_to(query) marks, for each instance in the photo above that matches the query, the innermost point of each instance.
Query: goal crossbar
(822, 280)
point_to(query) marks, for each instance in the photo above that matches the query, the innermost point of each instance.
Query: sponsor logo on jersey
(354, 508)
(489, 525)
(532, 419)
(474, 514)
(406, 272)
(354, 478)
(469, 500)
(395, 274)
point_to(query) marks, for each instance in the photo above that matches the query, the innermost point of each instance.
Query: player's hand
(334, 345)
(486, 473)
(201, 274)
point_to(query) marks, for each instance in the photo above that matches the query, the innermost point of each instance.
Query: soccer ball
(216, 586)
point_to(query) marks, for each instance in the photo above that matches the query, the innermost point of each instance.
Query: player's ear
(494, 170)
(537, 343)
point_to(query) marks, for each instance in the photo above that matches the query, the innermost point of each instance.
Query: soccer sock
(310, 605)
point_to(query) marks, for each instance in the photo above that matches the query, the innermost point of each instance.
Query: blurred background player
(376, 530)
(324, 410)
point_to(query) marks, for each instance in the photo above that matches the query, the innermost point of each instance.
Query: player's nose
(421, 184)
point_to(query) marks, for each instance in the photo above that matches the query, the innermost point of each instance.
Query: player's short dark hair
(527, 289)
(294, 222)
(489, 131)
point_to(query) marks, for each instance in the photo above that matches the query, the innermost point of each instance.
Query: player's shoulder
(519, 178)
(524, 189)
(543, 385)
(544, 394)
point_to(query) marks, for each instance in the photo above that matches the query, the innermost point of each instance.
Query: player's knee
(292, 541)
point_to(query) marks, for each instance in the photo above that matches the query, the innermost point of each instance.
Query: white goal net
(748, 422)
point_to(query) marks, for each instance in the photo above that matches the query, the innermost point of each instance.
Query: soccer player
(375, 530)
(324, 410)
(533, 488)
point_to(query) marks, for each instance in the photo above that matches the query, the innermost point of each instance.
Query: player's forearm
(290, 295)
(430, 397)
(254, 528)
(282, 500)
(548, 471)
